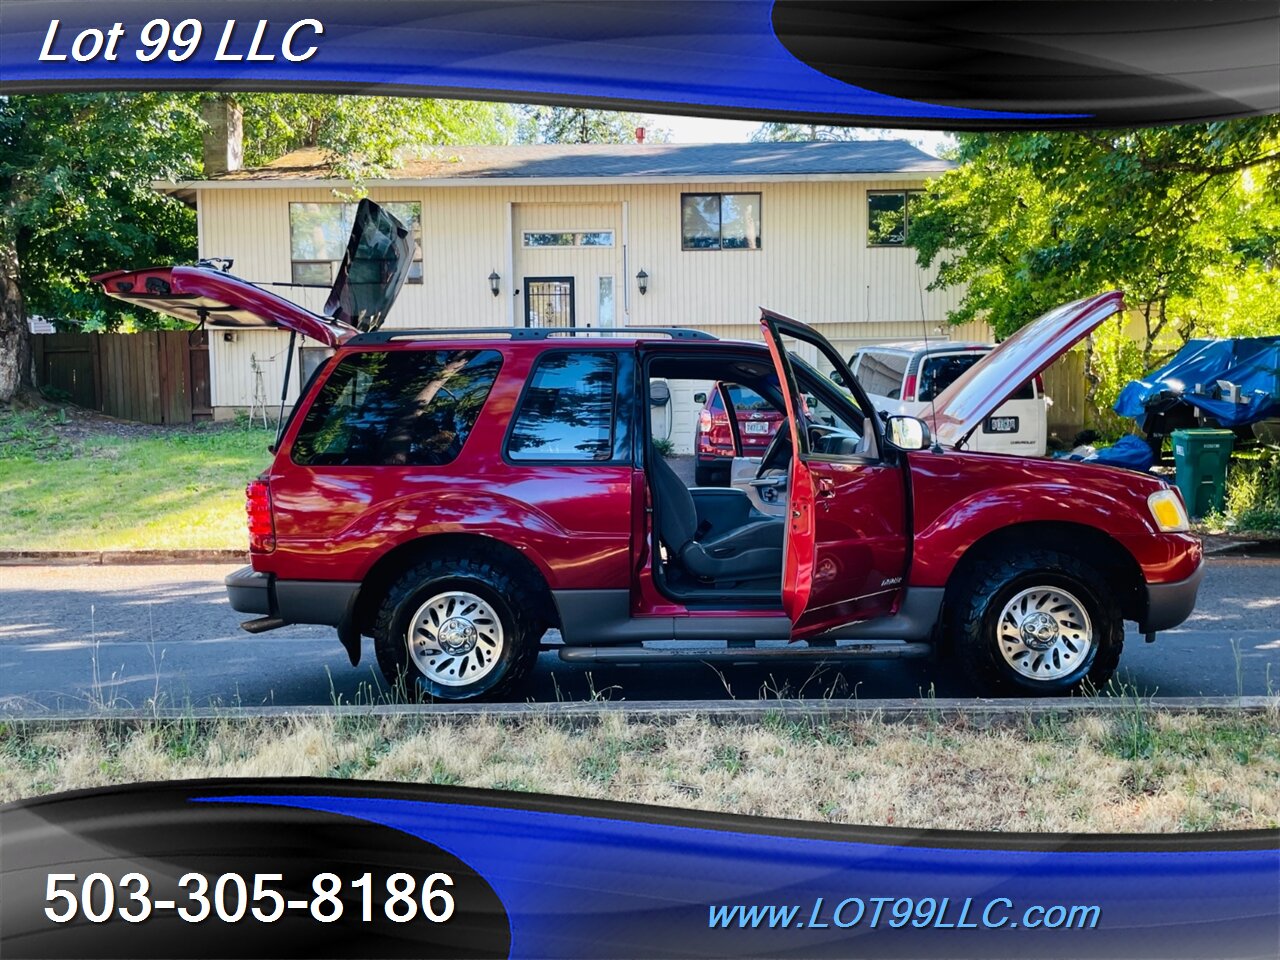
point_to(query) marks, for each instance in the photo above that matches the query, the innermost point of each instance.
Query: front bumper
(327, 602)
(1169, 604)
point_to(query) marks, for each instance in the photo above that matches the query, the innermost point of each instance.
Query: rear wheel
(457, 628)
(1039, 623)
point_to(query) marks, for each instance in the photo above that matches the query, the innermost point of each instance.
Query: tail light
(704, 421)
(1039, 385)
(262, 524)
(909, 391)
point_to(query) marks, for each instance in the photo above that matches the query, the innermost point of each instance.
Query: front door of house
(548, 302)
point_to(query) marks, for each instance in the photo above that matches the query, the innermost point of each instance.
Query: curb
(972, 710)
(101, 558)
(1226, 547)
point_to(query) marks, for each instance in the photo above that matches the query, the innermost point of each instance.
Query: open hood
(378, 258)
(962, 407)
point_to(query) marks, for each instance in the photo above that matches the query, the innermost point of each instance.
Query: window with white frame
(720, 221)
(318, 234)
(889, 217)
(568, 238)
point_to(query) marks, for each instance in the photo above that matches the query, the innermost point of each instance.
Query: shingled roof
(653, 161)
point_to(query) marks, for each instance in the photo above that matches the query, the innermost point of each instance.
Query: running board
(872, 650)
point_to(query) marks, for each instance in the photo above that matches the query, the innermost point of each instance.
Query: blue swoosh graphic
(722, 54)
(570, 881)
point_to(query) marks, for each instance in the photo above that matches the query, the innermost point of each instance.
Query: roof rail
(527, 333)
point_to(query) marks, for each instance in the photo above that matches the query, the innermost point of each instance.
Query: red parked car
(453, 494)
(733, 418)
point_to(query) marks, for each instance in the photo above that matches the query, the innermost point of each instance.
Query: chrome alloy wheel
(1044, 633)
(455, 638)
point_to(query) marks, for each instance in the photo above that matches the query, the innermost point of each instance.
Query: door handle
(826, 493)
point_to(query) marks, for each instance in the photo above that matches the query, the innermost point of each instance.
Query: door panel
(859, 543)
(548, 302)
(846, 548)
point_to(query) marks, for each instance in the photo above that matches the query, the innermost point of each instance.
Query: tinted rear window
(938, 373)
(566, 414)
(403, 407)
(746, 400)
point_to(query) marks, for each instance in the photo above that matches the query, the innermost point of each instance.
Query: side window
(402, 407)
(717, 403)
(567, 412)
(836, 424)
(882, 373)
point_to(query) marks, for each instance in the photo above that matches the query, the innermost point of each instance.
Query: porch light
(642, 280)
(493, 282)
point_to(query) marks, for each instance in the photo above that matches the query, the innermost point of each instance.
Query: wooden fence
(160, 376)
(1065, 383)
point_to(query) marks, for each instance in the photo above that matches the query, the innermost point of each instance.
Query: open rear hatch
(378, 258)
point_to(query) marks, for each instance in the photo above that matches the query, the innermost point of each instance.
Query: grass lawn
(83, 482)
(1139, 770)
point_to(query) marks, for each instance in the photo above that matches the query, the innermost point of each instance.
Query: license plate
(756, 426)
(1001, 425)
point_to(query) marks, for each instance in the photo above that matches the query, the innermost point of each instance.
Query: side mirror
(699, 398)
(837, 378)
(907, 433)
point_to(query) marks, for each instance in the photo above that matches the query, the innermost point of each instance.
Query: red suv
(456, 493)
(734, 421)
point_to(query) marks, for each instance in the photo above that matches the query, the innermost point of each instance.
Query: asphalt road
(77, 637)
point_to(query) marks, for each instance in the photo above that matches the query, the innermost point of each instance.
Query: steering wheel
(777, 456)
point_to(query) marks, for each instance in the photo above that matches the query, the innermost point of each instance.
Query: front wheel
(1039, 623)
(457, 629)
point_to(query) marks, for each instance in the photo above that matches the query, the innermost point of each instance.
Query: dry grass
(1139, 771)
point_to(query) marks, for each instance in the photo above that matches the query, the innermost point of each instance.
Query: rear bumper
(327, 602)
(1169, 604)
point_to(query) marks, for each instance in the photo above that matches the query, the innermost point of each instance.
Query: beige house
(593, 236)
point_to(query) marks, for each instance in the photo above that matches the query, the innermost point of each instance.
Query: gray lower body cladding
(1169, 604)
(325, 602)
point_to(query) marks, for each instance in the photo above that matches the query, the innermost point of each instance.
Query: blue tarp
(1129, 451)
(1251, 363)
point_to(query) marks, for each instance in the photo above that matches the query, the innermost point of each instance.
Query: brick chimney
(223, 136)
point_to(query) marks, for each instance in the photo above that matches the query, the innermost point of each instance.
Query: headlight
(1168, 512)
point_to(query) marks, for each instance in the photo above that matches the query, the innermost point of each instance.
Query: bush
(1253, 491)
(664, 446)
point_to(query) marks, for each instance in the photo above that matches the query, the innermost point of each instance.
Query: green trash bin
(1201, 459)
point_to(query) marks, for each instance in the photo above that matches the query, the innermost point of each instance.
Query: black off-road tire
(511, 595)
(976, 605)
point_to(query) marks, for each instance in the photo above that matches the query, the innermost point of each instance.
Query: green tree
(807, 132)
(76, 173)
(541, 124)
(75, 199)
(1183, 219)
(364, 136)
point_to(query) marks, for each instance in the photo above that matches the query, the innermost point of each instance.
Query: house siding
(814, 264)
